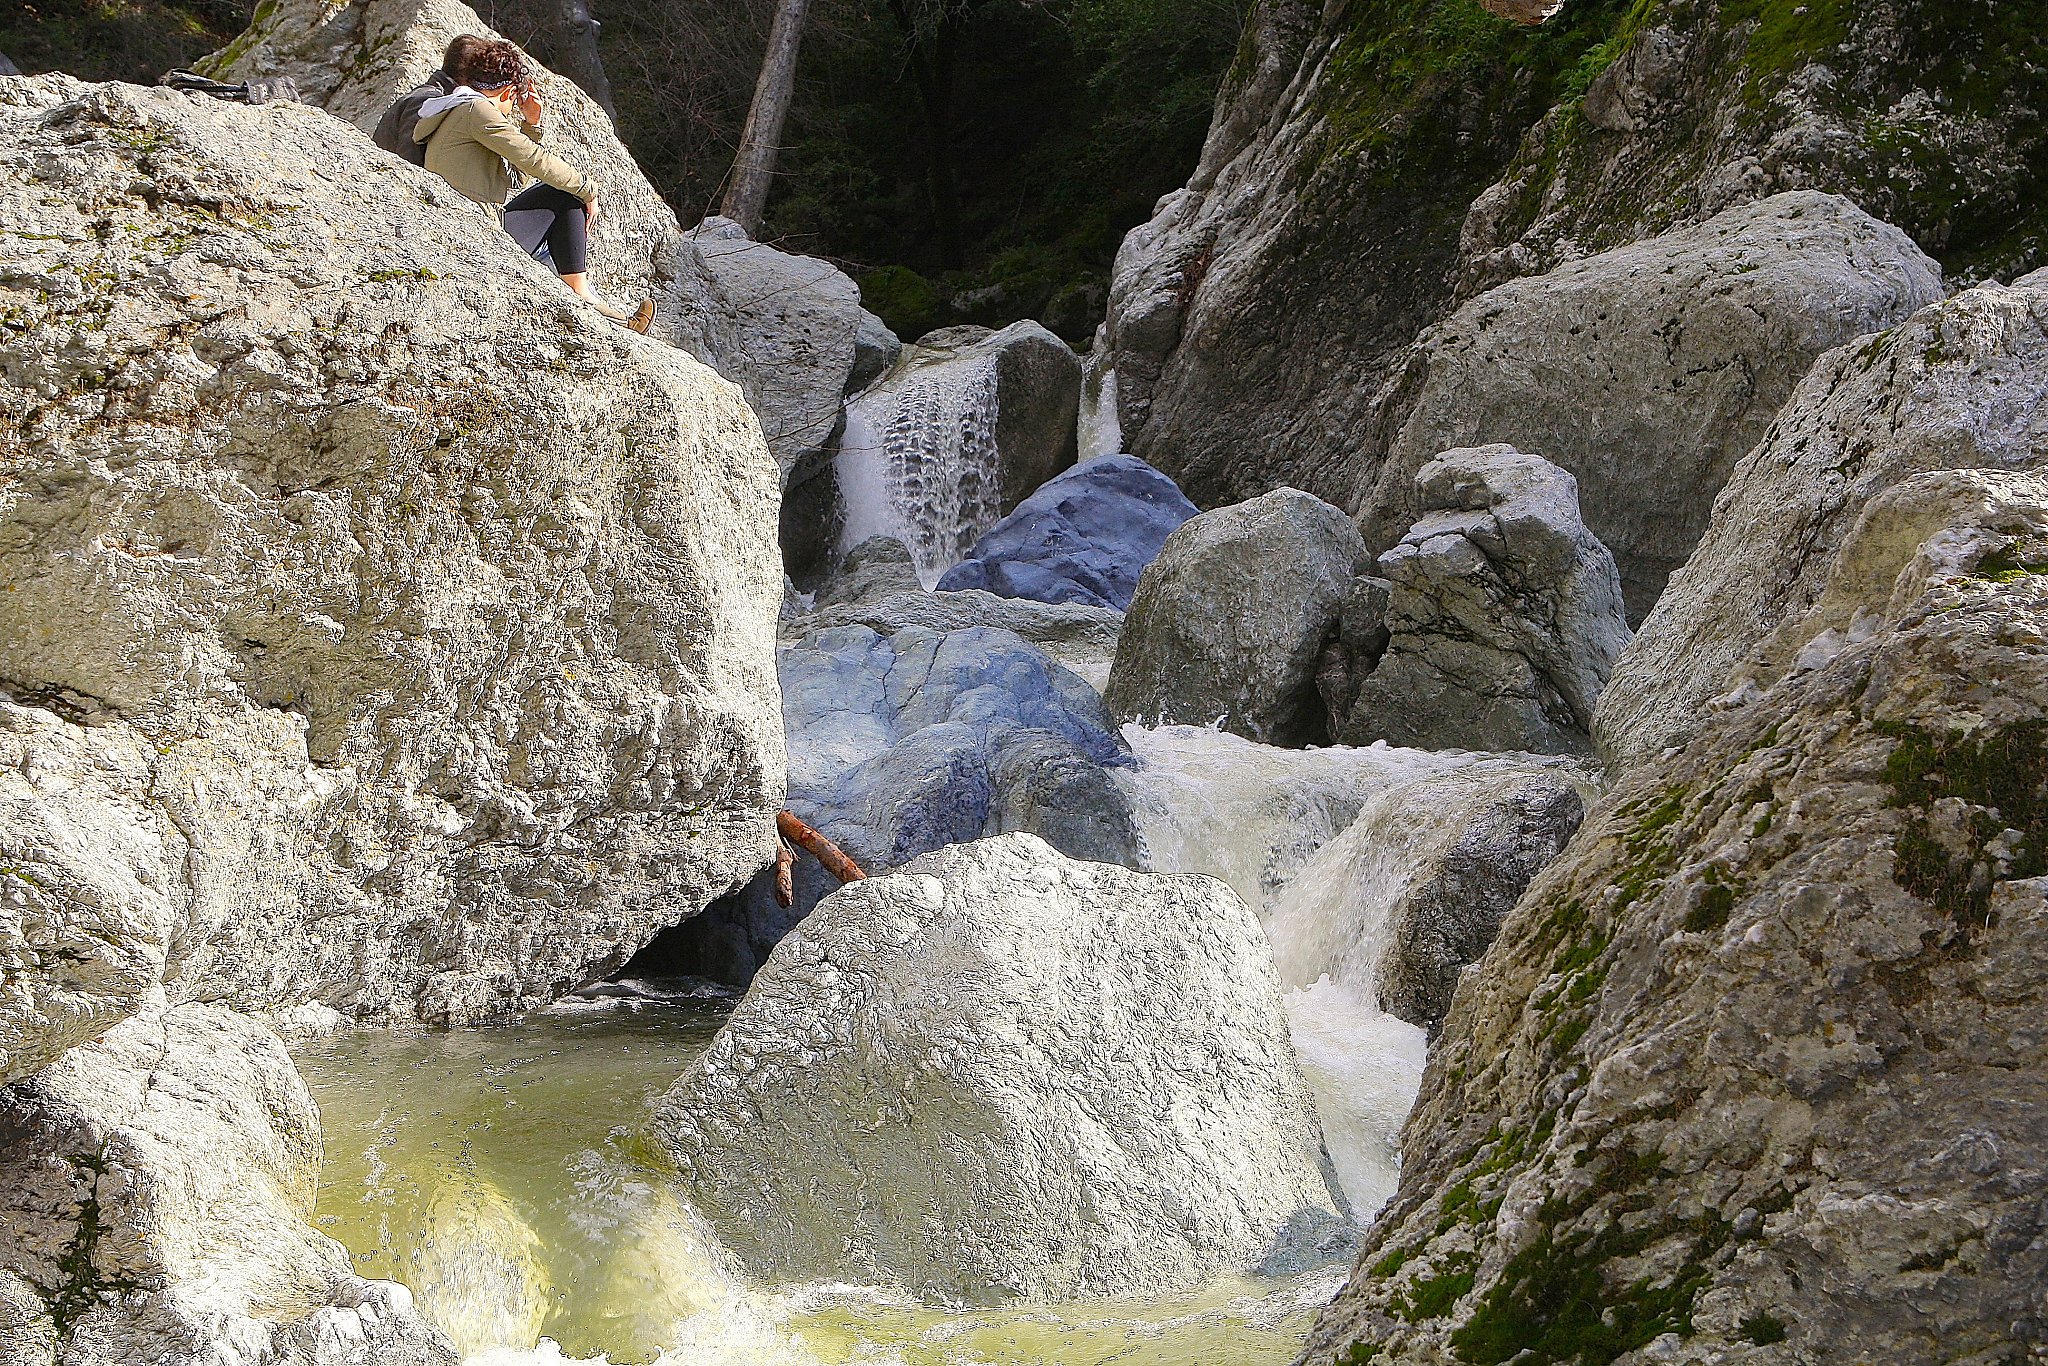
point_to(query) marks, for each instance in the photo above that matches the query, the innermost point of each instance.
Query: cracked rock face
(1754, 1071)
(382, 626)
(1960, 385)
(1003, 1074)
(1650, 370)
(1503, 613)
(156, 1188)
(1231, 618)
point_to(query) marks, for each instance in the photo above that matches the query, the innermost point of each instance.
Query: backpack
(395, 129)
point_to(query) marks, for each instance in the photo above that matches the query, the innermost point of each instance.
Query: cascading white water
(918, 461)
(1324, 843)
(1098, 430)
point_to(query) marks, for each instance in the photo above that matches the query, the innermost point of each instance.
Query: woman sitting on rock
(474, 143)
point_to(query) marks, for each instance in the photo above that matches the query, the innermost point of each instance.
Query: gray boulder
(1650, 370)
(1504, 613)
(964, 426)
(156, 1188)
(1231, 619)
(875, 349)
(1754, 1070)
(879, 567)
(970, 1079)
(1961, 385)
(401, 671)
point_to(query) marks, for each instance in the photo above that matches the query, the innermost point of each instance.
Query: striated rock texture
(156, 1188)
(1503, 613)
(1075, 637)
(1648, 371)
(1231, 619)
(879, 567)
(1754, 1072)
(1083, 537)
(1961, 385)
(1001, 1074)
(383, 627)
(1373, 166)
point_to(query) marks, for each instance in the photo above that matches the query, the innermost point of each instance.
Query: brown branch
(818, 847)
(785, 870)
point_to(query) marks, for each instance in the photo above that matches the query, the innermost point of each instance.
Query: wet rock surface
(1503, 613)
(1026, 1028)
(1961, 385)
(1075, 637)
(157, 1188)
(1753, 1063)
(1082, 537)
(1650, 370)
(1230, 620)
(386, 627)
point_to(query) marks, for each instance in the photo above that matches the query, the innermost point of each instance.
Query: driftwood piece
(785, 873)
(818, 847)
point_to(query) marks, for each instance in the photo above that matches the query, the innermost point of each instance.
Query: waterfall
(1323, 843)
(918, 461)
(1097, 430)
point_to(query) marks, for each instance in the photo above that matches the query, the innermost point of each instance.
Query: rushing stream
(502, 1174)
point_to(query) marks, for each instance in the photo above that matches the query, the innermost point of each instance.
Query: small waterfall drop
(1097, 429)
(918, 461)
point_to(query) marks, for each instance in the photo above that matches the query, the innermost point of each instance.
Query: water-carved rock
(1231, 619)
(1961, 385)
(156, 1187)
(1002, 1074)
(1503, 614)
(1755, 1063)
(1083, 537)
(385, 627)
(879, 567)
(1648, 371)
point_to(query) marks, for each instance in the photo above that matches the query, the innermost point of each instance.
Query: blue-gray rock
(1084, 537)
(904, 743)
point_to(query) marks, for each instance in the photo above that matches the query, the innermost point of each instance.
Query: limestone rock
(156, 1187)
(385, 627)
(1231, 618)
(1961, 385)
(1001, 1074)
(1504, 613)
(1079, 638)
(1648, 371)
(354, 58)
(1413, 888)
(962, 428)
(1755, 1062)
(1084, 536)
(901, 743)
(879, 567)
(875, 350)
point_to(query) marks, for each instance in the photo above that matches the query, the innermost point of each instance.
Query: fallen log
(785, 873)
(818, 847)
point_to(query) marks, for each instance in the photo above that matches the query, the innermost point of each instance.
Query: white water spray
(1097, 429)
(918, 461)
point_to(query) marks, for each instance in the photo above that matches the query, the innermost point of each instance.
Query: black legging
(544, 214)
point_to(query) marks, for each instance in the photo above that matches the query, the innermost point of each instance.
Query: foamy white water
(1098, 430)
(918, 461)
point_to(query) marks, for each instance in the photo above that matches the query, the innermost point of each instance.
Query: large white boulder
(1005, 1074)
(156, 1188)
(1961, 385)
(381, 625)
(1648, 371)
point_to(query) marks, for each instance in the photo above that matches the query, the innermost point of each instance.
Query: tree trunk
(753, 171)
(578, 59)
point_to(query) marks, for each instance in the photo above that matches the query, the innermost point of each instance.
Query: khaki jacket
(475, 145)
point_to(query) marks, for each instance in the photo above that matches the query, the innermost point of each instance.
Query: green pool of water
(502, 1175)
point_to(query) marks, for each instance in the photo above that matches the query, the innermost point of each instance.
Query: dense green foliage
(115, 40)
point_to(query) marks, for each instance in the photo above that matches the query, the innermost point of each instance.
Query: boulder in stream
(1960, 385)
(1230, 621)
(1754, 1071)
(385, 627)
(1083, 537)
(1503, 614)
(1001, 1074)
(156, 1188)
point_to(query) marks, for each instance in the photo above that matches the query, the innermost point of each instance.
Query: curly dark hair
(493, 64)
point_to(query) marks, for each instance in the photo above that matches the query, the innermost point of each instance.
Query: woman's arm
(498, 133)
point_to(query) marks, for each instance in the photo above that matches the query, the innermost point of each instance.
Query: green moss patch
(2003, 777)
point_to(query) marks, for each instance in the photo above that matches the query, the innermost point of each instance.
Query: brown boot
(643, 317)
